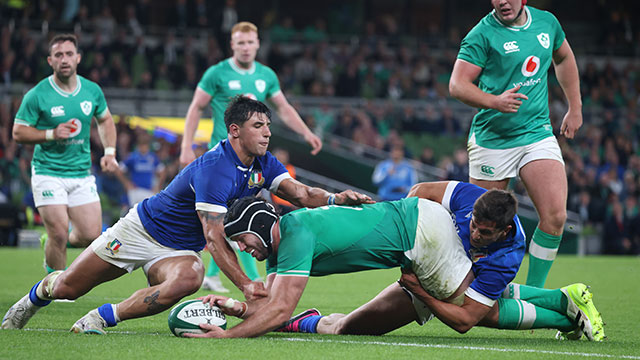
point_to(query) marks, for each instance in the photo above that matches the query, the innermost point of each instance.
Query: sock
(108, 313)
(309, 324)
(518, 314)
(34, 297)
(249, 264)
(213, 269)
(551, 299)
(542, 251)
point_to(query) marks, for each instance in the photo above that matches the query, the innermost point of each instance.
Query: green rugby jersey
(345, 239)
(511, 56)
(45, 107)
(225, 80)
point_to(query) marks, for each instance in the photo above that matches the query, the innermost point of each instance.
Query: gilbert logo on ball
(188, 315)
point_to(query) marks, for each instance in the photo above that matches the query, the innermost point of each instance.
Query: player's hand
(410, 280)
(187, 155)
(254, 290)
(229, 306)
(109, 164)
(64, 130)
(211, 331)
(571, 123)
(509, 101)
(350, 197)
(315, 142)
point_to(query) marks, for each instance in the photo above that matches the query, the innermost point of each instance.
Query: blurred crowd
(602, 162)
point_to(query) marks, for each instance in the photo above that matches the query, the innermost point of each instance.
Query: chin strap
(524, 2)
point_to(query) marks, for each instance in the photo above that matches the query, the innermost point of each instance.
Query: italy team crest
(256, 179)
(86, 107)
(477, 254)
(114, 246)
(261, 85)
(543, 38)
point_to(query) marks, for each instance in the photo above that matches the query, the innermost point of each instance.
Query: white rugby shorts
(500, 164)
(51, 190)
(129, 246)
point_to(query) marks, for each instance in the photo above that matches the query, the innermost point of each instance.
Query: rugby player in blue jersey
(164, 234)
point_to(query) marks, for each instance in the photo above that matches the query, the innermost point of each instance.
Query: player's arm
(463, 88)
(433, 191)
(199, 102)
(566, 68)
(292, 119)
(460, 318)
(223, 255)
(25, 134)
(302, 195)
(107, 132)
(283, 299)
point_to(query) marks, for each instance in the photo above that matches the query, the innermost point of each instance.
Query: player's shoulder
(220, 66)
(262, 68)
(486, 24)
(89, 85)
(541, 14)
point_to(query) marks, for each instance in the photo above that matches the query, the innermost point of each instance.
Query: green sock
(551, 299)
(542, 251)
(517, 314)
(249, 264)
(213, 269)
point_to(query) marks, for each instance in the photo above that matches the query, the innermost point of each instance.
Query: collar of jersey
(239, 165)
(62, 92)
(242, 71)
(514, 28)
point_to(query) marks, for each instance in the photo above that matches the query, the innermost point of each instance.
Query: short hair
(241, 108)
(495, 205)
(62, 38)
(244, 26)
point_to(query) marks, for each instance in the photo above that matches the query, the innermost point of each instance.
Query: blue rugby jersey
(210, 183)
(494, 266)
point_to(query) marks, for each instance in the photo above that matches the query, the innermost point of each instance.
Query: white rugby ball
(188, 315)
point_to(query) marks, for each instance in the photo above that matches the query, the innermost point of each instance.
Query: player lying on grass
(415, 234)
(165, 233)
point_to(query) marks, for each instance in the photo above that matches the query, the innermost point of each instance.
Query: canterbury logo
(487, 170)
(57, 111)
(47, 193)
(510, 46)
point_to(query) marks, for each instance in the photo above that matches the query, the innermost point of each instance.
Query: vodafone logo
(531, 66)
(77, 127)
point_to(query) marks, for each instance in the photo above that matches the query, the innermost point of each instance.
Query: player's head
(492, 217)
(248, 123)
(63, 55)
(249, 222)
(244, 43)
(509, 11)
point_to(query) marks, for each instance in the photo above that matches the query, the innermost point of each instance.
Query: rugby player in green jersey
(56, 116)
(240, 74)
(502, 69)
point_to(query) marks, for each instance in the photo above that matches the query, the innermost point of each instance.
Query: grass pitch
(614, 281)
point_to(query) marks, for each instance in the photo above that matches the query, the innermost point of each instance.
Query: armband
(110, 151)
(48, 134)
(331, 200)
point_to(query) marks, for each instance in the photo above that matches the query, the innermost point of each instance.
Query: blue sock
(106, 311)
(35, 299)
(310, 324)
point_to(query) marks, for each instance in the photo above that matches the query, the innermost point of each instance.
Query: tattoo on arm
(154, 307)
(211, 217)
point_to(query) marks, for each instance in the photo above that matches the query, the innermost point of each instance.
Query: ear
(79, 58)
(507, 230)
(234, 130)
(49, 60)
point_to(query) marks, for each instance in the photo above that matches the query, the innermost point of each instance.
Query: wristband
(332, 199)
(48, 134)
(110, 151)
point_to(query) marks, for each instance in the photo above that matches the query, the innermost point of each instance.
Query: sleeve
(474, 48)
(273, 84)
(295, 252)
(211, 195)
(380, 173)
(28, 113)
(208, 81)
(461, 196)
(558, 33)
(493, 274)
(101, 104)
(274, 172)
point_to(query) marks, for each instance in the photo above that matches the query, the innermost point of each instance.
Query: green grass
(614, 280)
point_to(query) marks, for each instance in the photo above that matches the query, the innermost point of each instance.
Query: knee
(184, 283)
(555, 218)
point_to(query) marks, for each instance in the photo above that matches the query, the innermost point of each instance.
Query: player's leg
(546, 184)
(85, 212)
(490, 184)
(86, 271)
(56, 223)
(517, 314)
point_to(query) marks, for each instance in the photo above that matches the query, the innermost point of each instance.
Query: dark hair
(62, 38)
(498, 206)
(242, 108)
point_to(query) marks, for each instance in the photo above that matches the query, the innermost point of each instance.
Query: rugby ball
(186, 316)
